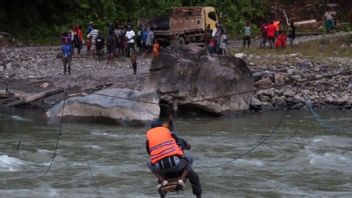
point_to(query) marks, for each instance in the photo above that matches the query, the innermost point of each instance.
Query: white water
(302, 159)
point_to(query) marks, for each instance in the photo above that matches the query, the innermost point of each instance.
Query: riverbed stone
(120, 105)
(279, 101)
(279, 78)
(264, 83)
(289, 92)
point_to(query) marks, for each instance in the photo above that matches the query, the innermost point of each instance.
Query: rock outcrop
(120, 105)
(192, 78)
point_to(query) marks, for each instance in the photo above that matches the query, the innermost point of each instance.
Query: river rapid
(300, 159)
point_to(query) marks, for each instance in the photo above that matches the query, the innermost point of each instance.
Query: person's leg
(69, 59)
(193, 178)
(134, 68)
(249, 42)
(64, 64)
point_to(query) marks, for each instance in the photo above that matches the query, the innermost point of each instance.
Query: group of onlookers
(121, 41)
(216, 39)
(272, 33)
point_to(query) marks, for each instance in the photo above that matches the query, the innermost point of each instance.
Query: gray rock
(268, 92)
(258, 75)
(298, 99)
(8, 66)
(189, 75)
(2, 68)
(297, 106)
(289, 93)
(279, 78)
(241, 55)
(100, 106)
(279, 101)
(264, 98)
(264, 83)
(266, 106)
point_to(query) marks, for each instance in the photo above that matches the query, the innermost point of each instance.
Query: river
(300, 159)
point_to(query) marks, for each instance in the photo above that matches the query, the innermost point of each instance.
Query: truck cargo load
(183, 25)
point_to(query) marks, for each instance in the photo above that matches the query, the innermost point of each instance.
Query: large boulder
(194, 79)
(124, 106)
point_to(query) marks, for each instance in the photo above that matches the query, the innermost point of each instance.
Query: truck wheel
(181, 41)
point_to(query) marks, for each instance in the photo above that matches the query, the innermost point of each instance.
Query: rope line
(273, 130)
(58, 137)
(88, 164)
(345, 73)
(320, 120)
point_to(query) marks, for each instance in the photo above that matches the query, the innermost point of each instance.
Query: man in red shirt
(271, 34)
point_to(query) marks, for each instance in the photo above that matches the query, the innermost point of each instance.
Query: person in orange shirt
(271, 34)
(156, 49)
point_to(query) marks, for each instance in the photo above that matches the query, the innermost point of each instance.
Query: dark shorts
(246, 38)
(110, 50)
(131, 45)
(66, 60)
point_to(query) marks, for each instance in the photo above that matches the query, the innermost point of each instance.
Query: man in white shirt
(130, 38)
(94, 34)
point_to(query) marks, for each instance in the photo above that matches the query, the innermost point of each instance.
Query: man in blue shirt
(67, 56)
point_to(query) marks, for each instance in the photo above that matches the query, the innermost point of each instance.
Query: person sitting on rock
(166, 155)
(67, 56)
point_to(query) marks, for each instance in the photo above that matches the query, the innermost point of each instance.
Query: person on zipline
(166, 155)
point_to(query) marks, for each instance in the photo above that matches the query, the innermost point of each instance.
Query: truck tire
(181, 41)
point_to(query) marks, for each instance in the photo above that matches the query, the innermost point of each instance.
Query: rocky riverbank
(305, 81)
(28, 70)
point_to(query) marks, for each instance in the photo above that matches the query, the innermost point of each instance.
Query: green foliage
(38, 19)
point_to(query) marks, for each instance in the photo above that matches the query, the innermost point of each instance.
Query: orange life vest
(162, 144)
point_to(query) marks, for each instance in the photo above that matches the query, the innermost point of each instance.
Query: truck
(183, 25)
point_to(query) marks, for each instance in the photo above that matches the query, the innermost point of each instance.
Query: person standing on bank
(111, 46)
(67, 51)
(100, 43)
(130, 35)
(247, 31)
(292, 33)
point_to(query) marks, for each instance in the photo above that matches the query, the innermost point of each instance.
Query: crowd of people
(216, 39)
(271, 33)
(121, 41)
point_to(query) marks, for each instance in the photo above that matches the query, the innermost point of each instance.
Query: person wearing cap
(90, 27)
(166, 155)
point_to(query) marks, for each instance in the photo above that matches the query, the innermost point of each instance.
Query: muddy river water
(300, 159)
